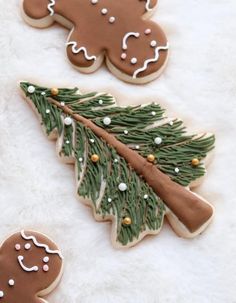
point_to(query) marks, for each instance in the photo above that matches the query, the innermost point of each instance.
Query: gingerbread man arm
(38, 12)
(85, 55)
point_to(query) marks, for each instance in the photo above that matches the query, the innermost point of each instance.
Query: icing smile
(25, 268)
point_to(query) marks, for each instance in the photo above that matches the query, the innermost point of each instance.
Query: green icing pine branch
(133, 165)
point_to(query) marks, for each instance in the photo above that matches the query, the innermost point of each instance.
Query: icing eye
(27, 246)
(46, 259)
(17, 247)
(45, 268)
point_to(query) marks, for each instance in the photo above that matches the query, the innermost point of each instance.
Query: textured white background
(38, 192)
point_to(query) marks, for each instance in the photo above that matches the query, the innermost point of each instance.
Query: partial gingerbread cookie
(30, 267)
(135, 49)
(134, 166)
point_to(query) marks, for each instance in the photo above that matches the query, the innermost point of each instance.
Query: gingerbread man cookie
(135, 49)
(30, 267)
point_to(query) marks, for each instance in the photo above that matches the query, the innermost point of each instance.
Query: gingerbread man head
(135, 49)
(30, 267)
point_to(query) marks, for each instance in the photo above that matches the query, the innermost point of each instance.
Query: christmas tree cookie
(30, 267)
(134, 166)
(135, 48)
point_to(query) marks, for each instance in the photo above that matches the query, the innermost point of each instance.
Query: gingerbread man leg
(86, 57)
(38, 13)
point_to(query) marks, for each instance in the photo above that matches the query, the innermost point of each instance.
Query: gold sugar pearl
(127, 221)
(195, 162)
(95, 158)
(54, 91)
(151, 158)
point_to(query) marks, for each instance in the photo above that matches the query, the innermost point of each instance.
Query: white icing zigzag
(155, 59)
(36, 243)
(50, 7)
(126, 37)
(76, 50)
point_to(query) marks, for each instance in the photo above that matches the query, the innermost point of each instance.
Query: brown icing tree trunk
(189, 208)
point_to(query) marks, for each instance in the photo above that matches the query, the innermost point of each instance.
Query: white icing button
(68, 121)
(123, 56)
(153, 113)
(100, 102)
(31, 89)
(107, 121)
(122, 187)
(94, 1)
(1, 294)
(80, 159)
(134, 60)
(92, 140)
(48, 111)
(145, 197)
(177, 170)
(112, 19)
(27, 246)
(158, 140)
(153, 43)
(104, 11)
(67, 142)
(11, 282)
(45, 268)
(126, 132)
(46, 259)
(147, 31)
(62, 103)
(109, 200)
(17, 247)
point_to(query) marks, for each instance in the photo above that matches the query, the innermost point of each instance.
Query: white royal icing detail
(31, 89)
(11, 282)
(1, 294)
(148, 8)
(155, 59)
(36, 243)
(126, 37)
(27, 246)
(112, 19)
(76, 50)
(122, 187)
(46, 259)
(25, 268)
(50, 7)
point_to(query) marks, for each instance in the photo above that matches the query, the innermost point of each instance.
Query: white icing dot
(171, 123)
(112, 19)
(126, 132)
(11, 282)
(68, 121)
(147, 31)
(48, 111)
(137, 147)
(153, 43)
(94, 1)
(116, 161)
(154, 113)
(177, 170)
(17, 247)
(123, 56)
(107, 121)
(1, 294)
(27, 246)
(43, 93)
(145, 197)
(104, 11)
(80, 159)
(67, 142)
(122, 187)
(46, 259)
(158, 140)
(45, 268)
(100, 102)
(62, 103)
(92, 140)
(109, 200)
(31, 89)
(134, 60)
